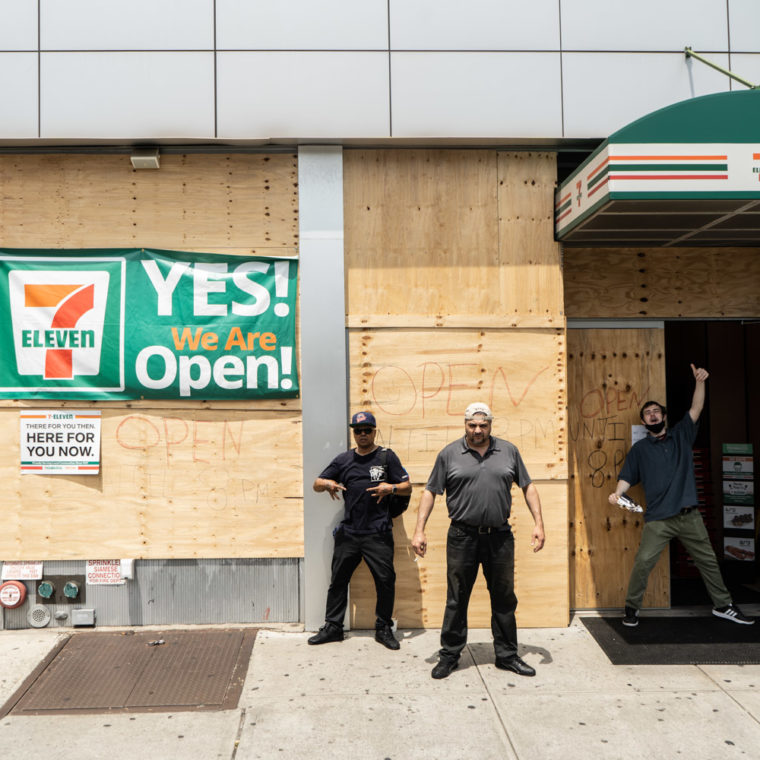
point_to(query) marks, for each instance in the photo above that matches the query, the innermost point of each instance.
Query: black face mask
(656, 429)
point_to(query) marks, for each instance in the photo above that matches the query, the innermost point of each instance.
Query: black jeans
(465, 550)
(376, 549)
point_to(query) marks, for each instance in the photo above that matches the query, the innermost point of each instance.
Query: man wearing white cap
(477, 473)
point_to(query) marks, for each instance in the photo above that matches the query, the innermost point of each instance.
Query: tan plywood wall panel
(541, 579)
(530, 269)
(611, 373)
(419, 382)
(180, 479)
(662, 282)
(196, 483)
(451, 238)
(454, 294)
(234, 204)
(193, 202)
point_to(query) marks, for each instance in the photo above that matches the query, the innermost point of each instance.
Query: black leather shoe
(328, 632)
(444, 668)
(385, 637)
(516, 665)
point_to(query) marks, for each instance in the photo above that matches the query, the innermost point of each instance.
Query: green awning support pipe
(691, 54)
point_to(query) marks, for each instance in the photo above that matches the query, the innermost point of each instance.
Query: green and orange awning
(688, 174)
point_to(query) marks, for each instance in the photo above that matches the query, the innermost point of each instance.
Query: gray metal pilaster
(324, 374)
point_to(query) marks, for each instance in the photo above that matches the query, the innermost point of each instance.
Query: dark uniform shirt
(665, 466)
(478, 489)
(363, 513)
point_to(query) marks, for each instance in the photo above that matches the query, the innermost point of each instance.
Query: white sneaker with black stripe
(733, 613)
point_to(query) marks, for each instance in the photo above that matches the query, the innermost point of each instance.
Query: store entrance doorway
(612, 370)
(729, 434)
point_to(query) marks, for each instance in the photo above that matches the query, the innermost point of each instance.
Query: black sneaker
(328, 632)
(384, 635)
(631, 617)
(444, 668)
(734, 614)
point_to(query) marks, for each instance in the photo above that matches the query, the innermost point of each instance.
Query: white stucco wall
(369, 69)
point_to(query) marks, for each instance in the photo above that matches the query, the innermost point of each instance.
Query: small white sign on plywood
(104, 572)
(59, 442)
(22, 571)
(638, 432)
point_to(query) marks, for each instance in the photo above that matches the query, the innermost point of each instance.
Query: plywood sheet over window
(541, 579)
(451, 238)
(611, 373)
(662, 282)
(193, 202)
(530, 270)
(419, 382)
(197, 483)
(180, 479)
(454, 294)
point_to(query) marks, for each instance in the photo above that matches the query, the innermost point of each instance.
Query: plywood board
(419, 382)
(611, 373)
(450, 238)
(193, 202)
(180, 479)
(662, 282)
(445, 252)
(173, 485)
(530, 269)
(240, 204)
(541, 578)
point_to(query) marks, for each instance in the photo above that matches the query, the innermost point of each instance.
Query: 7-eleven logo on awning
(58, 321)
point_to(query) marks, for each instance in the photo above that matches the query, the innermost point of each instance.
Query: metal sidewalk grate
(129, 672)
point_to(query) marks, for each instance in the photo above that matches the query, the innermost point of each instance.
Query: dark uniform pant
(376, 549)
(466, 549)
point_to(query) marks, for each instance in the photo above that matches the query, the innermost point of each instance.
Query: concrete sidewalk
(358, 699)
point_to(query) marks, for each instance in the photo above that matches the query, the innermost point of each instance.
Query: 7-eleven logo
(58, 321)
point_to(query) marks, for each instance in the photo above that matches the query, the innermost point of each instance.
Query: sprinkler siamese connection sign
(131, 324)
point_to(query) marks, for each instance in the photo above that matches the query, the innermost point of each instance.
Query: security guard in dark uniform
(364, 475)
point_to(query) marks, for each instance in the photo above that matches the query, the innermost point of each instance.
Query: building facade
(406, 155)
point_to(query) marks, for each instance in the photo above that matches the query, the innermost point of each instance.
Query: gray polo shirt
(478, 488)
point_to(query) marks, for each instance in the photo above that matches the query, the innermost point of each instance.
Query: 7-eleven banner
(112, 324)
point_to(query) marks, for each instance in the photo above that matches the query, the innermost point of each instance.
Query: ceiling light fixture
(145, 158)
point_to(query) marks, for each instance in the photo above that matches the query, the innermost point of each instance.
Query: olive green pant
(690, 530)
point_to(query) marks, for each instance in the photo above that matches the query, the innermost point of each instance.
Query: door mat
(151, 671)
(691, 592)
(676, 641)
